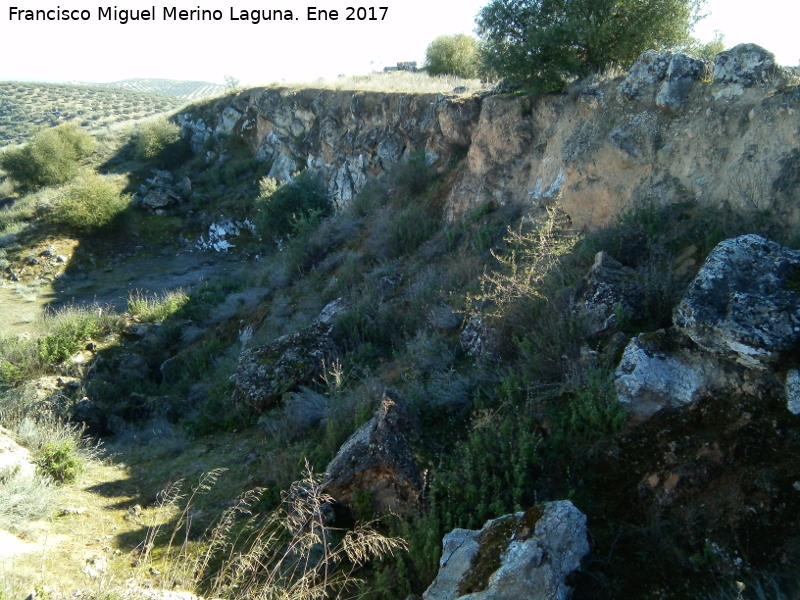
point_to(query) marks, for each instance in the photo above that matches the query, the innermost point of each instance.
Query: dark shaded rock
(793, 391)
(607, 293)
(526, 555)
(378, 458)
(681, 76)
(91, 416)
(444, 317)
(744, 302)
(264, 374)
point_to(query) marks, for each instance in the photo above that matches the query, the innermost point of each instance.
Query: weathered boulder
(607, 293)
(747, 65)
(264, 374)
(744, 303)
(14, 458)
(526, 555)
(645, 74)
(664, 369)
(378, 458)
(479, 340)
(682, 74)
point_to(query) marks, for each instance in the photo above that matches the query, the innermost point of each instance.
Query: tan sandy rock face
(671, 130)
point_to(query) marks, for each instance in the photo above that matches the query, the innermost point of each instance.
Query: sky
(102, 50)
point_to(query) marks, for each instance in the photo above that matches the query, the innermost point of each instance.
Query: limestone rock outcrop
(378, 459)
(746, 65)
(524, 555)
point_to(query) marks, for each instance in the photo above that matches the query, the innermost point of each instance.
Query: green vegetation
(456, 55)
(88, 204)
(156, 308)
(63, 334)
(53, 157)
(542, 44)
(285, 210)
(59, 461)
(154, 137)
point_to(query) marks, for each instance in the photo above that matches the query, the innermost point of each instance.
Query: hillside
(186, 90)
(27, 107)
(549, 342)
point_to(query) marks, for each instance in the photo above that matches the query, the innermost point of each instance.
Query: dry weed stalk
(288, 554)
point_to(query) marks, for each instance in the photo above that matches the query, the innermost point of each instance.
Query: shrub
(59, 461)
(24, 499)
(284, 210)
(51, 158)
(88, 204)
(543, 43)
(153, 137)
(453, 55)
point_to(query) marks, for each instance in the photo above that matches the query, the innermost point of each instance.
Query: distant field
(27, 107)
(188, 90)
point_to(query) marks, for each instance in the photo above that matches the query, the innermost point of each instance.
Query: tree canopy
(543, 43)
(453, 55)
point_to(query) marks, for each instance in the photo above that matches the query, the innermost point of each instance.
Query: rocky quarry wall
(672, 129)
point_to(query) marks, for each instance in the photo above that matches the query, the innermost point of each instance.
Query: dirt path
(79, 547)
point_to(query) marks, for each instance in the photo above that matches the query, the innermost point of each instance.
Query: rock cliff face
(672, 129)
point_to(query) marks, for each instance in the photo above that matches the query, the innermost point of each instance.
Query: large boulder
(264, 374)
(746, 65)
(744, 303)
(378, 458)
(526, 555)
(664, 369)
(645, 74)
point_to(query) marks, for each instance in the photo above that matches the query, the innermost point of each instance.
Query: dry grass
(290, 553)
(397, 82)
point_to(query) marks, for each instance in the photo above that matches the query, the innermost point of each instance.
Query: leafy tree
(543, 43)
(52, 157)
(453, 55)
